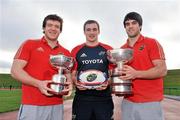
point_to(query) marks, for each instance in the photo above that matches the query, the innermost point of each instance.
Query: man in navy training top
(92, 104)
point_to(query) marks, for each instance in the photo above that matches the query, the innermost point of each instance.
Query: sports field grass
(172, 83)
(9, 100)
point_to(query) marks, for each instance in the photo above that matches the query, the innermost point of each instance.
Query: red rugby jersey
(145, 51)
(37, 54)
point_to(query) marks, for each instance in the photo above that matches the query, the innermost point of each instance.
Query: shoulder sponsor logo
(40, 49)
(101, 53)
(83, 55)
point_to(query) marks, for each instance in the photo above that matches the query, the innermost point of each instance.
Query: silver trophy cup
(61, 62)
(120, 57)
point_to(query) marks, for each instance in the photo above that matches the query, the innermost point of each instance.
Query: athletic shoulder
(30, 43)
(151, 41)
(106, 46)
(77, 48)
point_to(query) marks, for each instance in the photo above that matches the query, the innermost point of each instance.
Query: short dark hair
(53, 17)
(90, 22)
(133, 16)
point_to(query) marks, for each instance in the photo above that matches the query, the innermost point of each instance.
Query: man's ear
(140, 27)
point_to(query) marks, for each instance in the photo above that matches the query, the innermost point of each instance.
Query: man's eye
(88, 29)
(94, 29)
(49, 25)
(127, 24)
(57, 26)
(134, 22)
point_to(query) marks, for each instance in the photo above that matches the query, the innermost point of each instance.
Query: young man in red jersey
(146, 71)
(31, 66)
(91, 102)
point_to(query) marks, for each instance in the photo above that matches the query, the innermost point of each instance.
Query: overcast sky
(21, 20)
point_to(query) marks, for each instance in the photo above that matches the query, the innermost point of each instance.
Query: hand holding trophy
(120, 57)
(63, 63)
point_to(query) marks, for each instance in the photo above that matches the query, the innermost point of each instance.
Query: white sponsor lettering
(94, 61)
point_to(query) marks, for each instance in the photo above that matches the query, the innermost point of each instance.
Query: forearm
(74, 77)
(69, 78)
(24, 77)
(109, 79)
(152, 73)
(18, 72)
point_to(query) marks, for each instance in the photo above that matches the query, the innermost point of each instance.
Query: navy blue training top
(92, 58)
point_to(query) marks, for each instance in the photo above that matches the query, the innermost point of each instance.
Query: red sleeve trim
(74, 51)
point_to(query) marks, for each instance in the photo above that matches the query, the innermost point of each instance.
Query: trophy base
(59, 93)
(122, 89)
(58, 88)
(117, 93)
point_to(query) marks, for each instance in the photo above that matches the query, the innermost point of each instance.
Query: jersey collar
(45, 42)
(140, 39)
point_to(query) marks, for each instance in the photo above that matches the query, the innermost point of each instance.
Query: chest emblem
(91, 77)
(141, 47)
